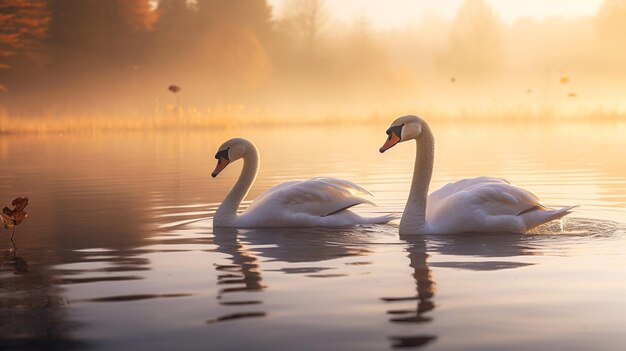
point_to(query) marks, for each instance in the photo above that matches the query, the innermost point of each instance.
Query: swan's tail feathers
(379, 220)
(540, 216)
(567, 209)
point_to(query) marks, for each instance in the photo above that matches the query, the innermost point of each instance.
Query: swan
(317, 202)
(482, 204)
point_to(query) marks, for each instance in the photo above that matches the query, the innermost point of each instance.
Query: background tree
(611, 24)
(176, 23)
(303, 21)
(23, 30)
(475, 44)
(96, 48)
(173, 41)
(231, 48)
(98, 31)
(253, 15)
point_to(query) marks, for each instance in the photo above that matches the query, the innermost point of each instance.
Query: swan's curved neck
(414, 217)
(226, 214)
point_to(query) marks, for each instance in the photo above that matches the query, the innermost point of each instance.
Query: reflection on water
(425, 287)
(119, 250)
(290, 245)
(11, 258)
(33, 313)
(243, 275)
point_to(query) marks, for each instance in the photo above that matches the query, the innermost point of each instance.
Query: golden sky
(388, 14)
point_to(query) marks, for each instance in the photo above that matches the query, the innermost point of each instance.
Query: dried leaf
(15, 216)
(7, 221)
(20, 204)
(19, 217)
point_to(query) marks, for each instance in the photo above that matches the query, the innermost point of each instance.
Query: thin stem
(13, 242)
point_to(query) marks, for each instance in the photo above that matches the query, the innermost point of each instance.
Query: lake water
(119, 253)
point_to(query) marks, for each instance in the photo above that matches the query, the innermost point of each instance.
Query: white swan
(470, 205)
(318, 202)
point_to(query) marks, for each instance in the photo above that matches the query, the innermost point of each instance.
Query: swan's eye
(222, 154)
(397, 130)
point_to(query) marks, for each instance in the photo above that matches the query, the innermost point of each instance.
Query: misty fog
(239, 59)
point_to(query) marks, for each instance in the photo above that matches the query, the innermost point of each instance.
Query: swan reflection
(243, 274)
(457, 245)
(425, 292)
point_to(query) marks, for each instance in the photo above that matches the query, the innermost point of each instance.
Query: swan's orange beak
(221, 164)
(392, 140)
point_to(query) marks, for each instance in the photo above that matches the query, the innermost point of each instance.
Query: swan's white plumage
(318, 202)
(313, 202)
(483, 204)
(480, 204)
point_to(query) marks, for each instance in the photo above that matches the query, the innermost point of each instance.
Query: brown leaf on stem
(19, 217)
(15, 216)
(7, 221)
(20, 204)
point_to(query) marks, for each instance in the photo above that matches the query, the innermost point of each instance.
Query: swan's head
(402, 129)
(230, 151)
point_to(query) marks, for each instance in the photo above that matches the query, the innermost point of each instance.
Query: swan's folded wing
(276, 188)
(503, 199)
(461, 185)
(493, 196)
(316, 197)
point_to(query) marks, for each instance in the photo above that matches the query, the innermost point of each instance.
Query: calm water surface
(119, 253)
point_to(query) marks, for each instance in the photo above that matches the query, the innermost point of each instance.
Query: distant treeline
(119, 56)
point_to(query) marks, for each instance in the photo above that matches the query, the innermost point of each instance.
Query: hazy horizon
(385, 15)
(310, 60)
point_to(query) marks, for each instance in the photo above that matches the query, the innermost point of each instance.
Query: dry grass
(223, 117)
